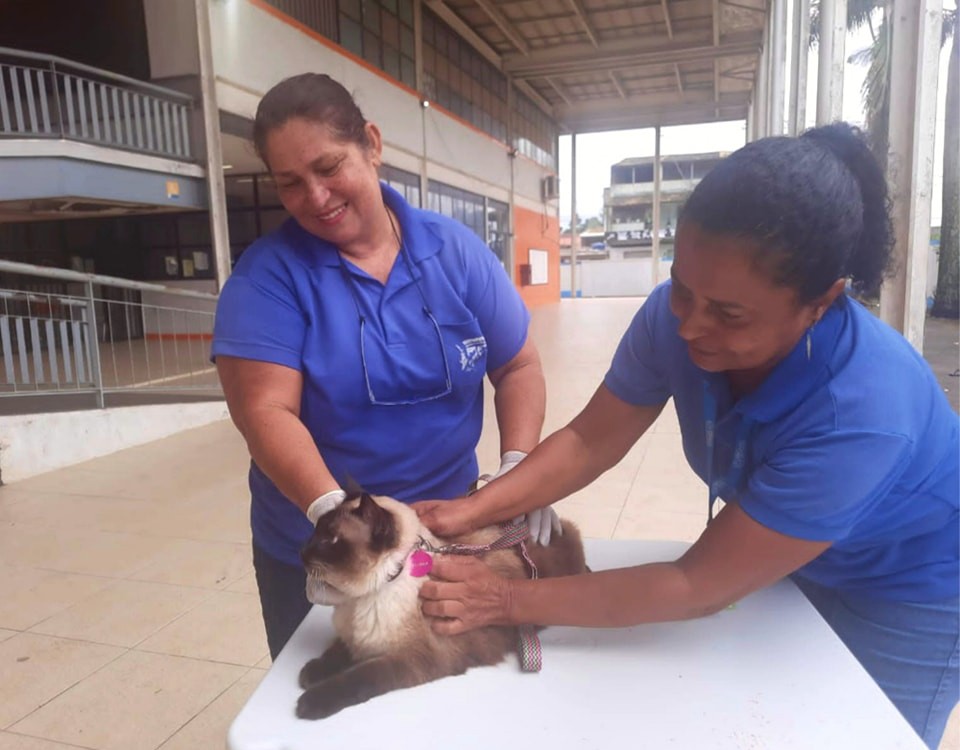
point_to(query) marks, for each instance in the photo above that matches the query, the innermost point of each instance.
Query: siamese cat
(368, 558)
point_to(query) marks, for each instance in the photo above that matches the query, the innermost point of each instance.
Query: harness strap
(514, 534)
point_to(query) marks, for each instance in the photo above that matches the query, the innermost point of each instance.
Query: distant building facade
(628, 202)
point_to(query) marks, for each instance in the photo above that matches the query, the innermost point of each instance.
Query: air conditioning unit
(550, 188)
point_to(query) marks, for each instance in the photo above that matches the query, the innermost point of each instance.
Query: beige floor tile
(135, 703)
(245, 584)
(660, 524)
(265, 663)
(92, 553)
(84, 512)
(4, 634)
(36, 668)
(10, 741)
(212, 565)
(123, 614)
(29, 596)
(951, 737)
(209, 728)
(78, 481)
(227, 627)
(595, 522)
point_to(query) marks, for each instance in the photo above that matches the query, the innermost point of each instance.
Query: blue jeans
(909, 648)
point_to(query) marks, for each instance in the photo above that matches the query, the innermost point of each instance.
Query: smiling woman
(821, 428)
(352, 342)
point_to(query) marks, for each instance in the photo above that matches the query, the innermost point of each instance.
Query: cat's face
(356, 547)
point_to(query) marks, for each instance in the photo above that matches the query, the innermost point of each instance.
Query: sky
(596, 152)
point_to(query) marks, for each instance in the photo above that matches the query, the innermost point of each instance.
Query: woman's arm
(520, 397)
(568, 460)
(264, 403)
(733, 557)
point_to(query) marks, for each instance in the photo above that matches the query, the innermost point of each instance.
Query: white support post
(216, 190)
(832, 58)
(778, 65)
(574, 234)
(798, 88)
(657, 180)
(761, 109)
(914, 73)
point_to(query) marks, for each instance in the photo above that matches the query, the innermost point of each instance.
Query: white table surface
(768, 673)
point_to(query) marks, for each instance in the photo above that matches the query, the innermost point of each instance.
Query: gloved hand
(326, 502)
(507, 461)
(543, 521)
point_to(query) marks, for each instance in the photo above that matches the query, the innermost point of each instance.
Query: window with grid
(536, 133)
(318, 15)
(466, 207)
(404, 182)
(381, 32)
(461, 80)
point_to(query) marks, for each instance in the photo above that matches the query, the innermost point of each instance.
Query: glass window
(351, 38)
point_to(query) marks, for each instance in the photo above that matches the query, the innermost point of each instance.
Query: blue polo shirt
(856, 446)
(447, 315)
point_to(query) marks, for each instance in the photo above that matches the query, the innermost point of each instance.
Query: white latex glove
(326, 502)
(543, 521)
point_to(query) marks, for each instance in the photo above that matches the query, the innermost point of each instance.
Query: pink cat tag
(421, 563)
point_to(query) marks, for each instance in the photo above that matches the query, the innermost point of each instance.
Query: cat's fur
(384, 641)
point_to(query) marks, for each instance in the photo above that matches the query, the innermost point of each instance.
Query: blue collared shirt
(856, 446)
(294, 301)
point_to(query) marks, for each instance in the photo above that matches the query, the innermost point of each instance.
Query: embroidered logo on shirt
(471, 352)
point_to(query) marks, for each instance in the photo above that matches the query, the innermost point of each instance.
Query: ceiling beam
(666, 18)
(473, 39)
(676, 72)
(581, 14)
(716, 23)
(588, 119)
(751, 8)
(617, 85)
(504, 24)
(556, 87)
(530, 91)
(577, 59)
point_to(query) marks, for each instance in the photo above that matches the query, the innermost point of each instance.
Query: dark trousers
(283, 598)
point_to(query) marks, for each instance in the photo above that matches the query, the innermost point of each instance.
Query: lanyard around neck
(735, 474)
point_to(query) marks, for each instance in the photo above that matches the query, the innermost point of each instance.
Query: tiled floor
(128, 611)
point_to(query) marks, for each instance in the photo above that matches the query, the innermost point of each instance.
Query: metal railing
(73, 333)
(42, 96)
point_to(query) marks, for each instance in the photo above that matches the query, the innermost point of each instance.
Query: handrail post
(56, 97)
(93, 337)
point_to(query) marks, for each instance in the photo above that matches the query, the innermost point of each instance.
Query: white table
(768, 673)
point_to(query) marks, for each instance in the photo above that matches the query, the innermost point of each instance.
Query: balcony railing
(69, 333)
(42, 96)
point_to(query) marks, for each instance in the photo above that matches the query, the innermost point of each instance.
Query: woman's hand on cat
(466, 595)
(445, 517)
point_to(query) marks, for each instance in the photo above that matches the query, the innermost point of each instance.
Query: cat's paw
(318, 702)
(319, 669)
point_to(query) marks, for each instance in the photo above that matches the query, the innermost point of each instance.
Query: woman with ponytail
(825, 435)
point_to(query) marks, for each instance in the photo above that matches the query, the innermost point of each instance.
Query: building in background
(108, 166)
(628, 202)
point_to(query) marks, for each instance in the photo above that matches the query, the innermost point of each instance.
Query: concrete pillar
(574, 234)
(832, 58)
(778, 65)
(418, 74)
(216, 191)
(761, 101)
(914, 73)
(657, 181)
(798, 85)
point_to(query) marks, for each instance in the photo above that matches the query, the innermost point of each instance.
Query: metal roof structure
(613, 64)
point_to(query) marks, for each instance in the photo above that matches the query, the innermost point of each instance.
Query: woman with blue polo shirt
(352, 342)
(826, 436)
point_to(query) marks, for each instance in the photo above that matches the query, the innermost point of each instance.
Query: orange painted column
(537, 230)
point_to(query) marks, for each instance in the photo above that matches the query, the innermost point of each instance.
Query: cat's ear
(383, 527)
